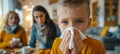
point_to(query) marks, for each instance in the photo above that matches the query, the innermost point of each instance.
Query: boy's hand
(77, 43)
(64, 47)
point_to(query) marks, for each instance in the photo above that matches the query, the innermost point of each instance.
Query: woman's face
(75, 17)
(39, 17)
(12, 20)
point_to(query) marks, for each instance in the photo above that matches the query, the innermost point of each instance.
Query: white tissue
(16, 39)
(71, 29)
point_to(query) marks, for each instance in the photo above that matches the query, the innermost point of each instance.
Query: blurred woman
(43, 30)
(12, 35)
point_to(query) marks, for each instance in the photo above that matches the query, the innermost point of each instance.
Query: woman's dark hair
(51, 28)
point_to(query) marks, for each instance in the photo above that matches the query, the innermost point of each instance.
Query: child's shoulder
(94, 44)
(91, 41)
(58, 40)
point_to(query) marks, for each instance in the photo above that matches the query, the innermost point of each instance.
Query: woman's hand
(64, 47)
(77, 43)
(14, 43)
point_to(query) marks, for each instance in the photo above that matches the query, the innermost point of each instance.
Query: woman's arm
(24, 38)
(2, 43)
(33, 38)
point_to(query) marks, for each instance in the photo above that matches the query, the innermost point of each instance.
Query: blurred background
(105, 16)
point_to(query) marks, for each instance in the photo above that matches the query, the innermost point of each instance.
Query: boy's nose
(71, 24)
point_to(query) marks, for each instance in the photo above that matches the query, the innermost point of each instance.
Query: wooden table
(16, 51)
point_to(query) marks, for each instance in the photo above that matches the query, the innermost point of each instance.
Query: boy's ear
(89, 21)
(58, 22)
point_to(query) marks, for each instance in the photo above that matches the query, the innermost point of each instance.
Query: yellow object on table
(44, 51)
(104, 31)
(6, 51)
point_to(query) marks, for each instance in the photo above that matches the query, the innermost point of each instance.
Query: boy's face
(76, 16)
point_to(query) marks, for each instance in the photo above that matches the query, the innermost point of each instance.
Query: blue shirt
(35, 37)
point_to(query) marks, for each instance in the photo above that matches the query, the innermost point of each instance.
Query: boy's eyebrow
(63, 19)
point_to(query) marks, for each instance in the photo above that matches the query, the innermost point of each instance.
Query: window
(1, 14)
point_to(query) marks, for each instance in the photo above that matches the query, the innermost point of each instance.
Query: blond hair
(73, 2)
(78, 3)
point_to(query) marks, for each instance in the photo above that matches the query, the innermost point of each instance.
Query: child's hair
(68, 3)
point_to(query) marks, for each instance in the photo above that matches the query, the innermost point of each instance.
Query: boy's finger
(65, 41)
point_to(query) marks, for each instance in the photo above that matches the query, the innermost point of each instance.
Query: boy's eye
(79, 21)
(64, 22)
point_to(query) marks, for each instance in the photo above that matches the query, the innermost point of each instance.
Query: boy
(74, 16)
